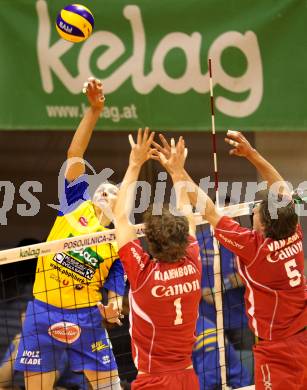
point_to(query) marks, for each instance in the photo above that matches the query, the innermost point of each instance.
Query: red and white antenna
(217, 259)
(214, 149)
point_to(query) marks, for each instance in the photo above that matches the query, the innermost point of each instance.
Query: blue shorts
(49, 331)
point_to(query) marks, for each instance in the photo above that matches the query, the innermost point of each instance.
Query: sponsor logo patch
(66, 332)
(106, 360)
(137, 258)
(83, 221)
(31, 358)
(29, 252)
(99, 346)
(74, 265)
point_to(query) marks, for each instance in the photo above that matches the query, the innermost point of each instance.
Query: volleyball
(75, 23)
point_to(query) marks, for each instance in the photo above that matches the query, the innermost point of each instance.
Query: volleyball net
(222, 353)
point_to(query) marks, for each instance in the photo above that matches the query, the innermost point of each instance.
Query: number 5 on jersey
(293, 274)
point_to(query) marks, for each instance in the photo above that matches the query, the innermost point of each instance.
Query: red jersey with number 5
(273, 273)
(164, 299)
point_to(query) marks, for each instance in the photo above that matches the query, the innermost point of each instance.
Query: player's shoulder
(226, 222)
(78, 221)
(133, 246)
(299, 230)
(80, 208)
(192, 241)
(192, 248)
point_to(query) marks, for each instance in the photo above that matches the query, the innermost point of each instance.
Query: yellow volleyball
(75, 23)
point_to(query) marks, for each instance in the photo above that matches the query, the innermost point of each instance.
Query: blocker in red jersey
(271, 264)
(165, 284)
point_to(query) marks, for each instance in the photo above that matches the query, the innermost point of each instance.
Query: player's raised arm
(242, 148)
(140, 152)
(197, 196)
(82, 136)
(173, 161)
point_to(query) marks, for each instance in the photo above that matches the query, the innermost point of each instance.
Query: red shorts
(282, 364)
(185, 379)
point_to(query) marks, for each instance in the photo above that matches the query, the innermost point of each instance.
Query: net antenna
(218, 288)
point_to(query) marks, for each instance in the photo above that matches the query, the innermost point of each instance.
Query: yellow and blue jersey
(73, 279)
(206, 359)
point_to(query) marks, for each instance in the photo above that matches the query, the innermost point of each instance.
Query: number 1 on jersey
(177, 304)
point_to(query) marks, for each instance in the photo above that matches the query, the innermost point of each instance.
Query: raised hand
(141, 151)
(165, 149)
(94, 91)
(241, 147)
(171, 156)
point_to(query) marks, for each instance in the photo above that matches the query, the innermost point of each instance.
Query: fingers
(131, 141)
(162, 158)
(139, 137)
(236, 135)
(178, 148)
(145, 135)
(158, 156)
(233, 152)
(101, 309)
(109, 313)
(91, 84)
(153, 154)
(180, 145)
(150, 139)
(164, 142)
(173, 147)
(85, 86)
(157, 146)
(145, 138)
(233, 135)
(232, 142)
(232, 132)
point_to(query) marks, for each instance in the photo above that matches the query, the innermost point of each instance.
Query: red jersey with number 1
(164, 299)
(273, 273)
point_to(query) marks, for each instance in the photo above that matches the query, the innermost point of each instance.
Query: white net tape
(93, 239)
(45, 248)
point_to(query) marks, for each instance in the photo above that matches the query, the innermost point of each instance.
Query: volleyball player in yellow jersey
(64, 313)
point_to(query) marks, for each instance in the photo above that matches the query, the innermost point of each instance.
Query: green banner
(152, 57)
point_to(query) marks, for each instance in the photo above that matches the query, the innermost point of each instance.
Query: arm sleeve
(242, 241)
(72, 194)
(116, 278)
(192, 251)
(134, 260)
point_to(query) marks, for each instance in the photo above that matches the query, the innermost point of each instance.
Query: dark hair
(166, 234)
(282, 227)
